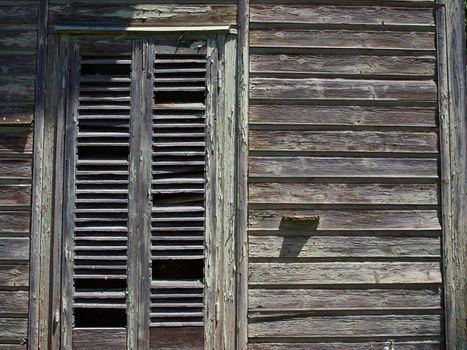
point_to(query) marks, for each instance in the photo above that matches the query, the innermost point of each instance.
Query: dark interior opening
(100, 317)
(100, 284)
(177, 269)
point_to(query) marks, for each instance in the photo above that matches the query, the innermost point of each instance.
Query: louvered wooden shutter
(101, 191)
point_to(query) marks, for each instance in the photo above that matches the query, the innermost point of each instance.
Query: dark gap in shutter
(178, 218)
(101, 177)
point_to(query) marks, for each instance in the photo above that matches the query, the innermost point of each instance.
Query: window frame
(221, 202)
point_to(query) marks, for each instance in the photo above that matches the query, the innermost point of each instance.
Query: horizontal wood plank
(14, 276)
(310, 246)
(343, 273)
(342, 89)
(298, 326)
(315, 167)
(21, 13)
(343, 65)
(14, 221)
(22, 40)
(142, 14)
(330, 14)
(370, 345)
(105, 338)
(14, 248)
(13, 115)
(15, 168)
(343, 299)
(15, 195)
(18, 65)
(342, 116)
(17, 90)
(13, 329)
(309, 193)
(16, 142)
(14, 302)
(344, 141)
(352, 220)
(348, 39)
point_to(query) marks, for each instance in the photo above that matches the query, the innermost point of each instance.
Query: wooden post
(241, 236)
(451, 102)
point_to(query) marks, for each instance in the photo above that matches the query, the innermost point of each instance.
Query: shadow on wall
(298, 230)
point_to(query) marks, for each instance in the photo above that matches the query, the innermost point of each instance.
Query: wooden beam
(241, 235)
(451, 102)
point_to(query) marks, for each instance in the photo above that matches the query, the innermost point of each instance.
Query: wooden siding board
(22, 13)
(22, 65)
(13, 329)
(18, 40)
(14, 142)
(14, 302)
(91, 339)
(14, 221)
(17, 90)
(339, 15)
(370, 345)
(16, 115)
(14, 248)
(14, 276)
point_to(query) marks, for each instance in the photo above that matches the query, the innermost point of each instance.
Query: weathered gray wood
(352, 220)
(11, 168)
(91, 339)
(344, 141)
(309, 246)
(24, 40)
(343, 65)
(13, 142)
(370, 345)
(297, 326)
(14, 302)
(348, 39)
(355, 15)
(13, 329)
(14, 221)
(17, 89)
(15, 195)
(295, 194)
(14, 276)
(18, 64)
(310, 115)
(320, 300)
(16, 115)
(316, 167)
(343, 89)
(451, 102)
(143, 14)
(377, 273)
(21, 13)
(14, 248)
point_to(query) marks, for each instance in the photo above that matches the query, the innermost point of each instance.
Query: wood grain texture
(342, 89)
(355, 15)
(15, 195)
(14, 248)
(352, 220)
(14, 276)
(297, 326)
(91, 339)
(384, 300)
(14, 302)
(303, 115)
(18, 40)
(316, 167)
(14, 221)
(370, 345)
(343, 65)
(17, 90)
(14, 142)
(143, 14)
(310, 246)
(14, 115)
(22, 13)
(19, 65)
(13, 328)
(348, 39)
(344, 141)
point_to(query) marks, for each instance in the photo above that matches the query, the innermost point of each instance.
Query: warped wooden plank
(309, 193)
(104, 338)
(377, 273)
(14, 248)
(13, 115)
(15, 195)
(19, 65)
(343, 89)
(330, 14)
(309, 246)
(23, 40)
(17, 90)
(343, 65)
(143, 14)
(348, 39)
(343, 299)
(14, 221)
(343, 115)
(16, 142)
(344, 141)
(370, 345)
(13, 328)
(298, 326)
(14, 301)
(352, 220)
(14, 276)
(296, 167)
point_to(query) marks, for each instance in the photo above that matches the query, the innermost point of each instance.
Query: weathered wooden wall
(18, 31)
(343, 130)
